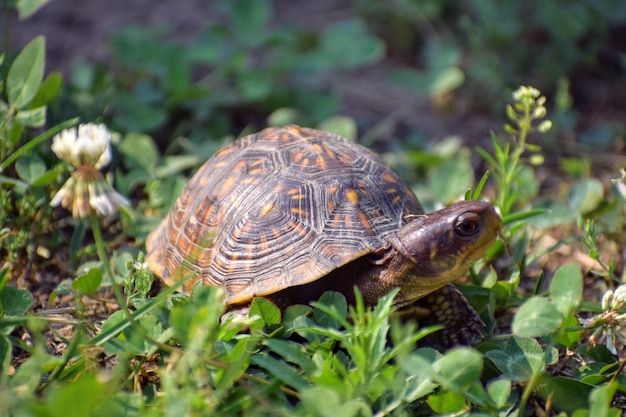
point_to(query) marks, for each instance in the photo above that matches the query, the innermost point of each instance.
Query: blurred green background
(408, 72)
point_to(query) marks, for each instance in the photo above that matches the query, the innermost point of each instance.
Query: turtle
(291, 212)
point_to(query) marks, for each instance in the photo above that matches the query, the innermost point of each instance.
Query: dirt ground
(78, 31)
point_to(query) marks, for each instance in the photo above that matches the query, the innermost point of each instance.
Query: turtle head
(437, 248)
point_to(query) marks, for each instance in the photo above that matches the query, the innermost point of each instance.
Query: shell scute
(279, 208)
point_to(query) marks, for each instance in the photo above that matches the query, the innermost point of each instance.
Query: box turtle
(291, 212)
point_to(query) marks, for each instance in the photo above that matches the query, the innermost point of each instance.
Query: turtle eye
(467, 224)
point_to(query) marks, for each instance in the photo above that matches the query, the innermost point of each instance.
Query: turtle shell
(279, 208)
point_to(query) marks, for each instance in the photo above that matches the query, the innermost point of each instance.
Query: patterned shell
(279, 208)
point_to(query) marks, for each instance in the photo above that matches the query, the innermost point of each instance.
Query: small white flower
(620, 183)
(140, 266)
(607, 300)
(619, 298)
(89, 144)
(525, 92)
(88, 149)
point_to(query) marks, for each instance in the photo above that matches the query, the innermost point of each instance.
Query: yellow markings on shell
(257, 162)
(227, 185)
(298, 228)
(321, 162)
(264, 246)
(330, 152)
(240, 165)
(389, 178)
(251, 249)
(256, 172)
(396, 200)
(250, 180)
(267, 209)
(297, 156)
(203, 181)
(300, 212)
(352, 197)
(364, 220)
(348, 220)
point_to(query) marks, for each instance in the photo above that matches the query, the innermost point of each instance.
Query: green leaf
(347, 44)
(88, 283)
(26, 8)
(499, 392)
(15, 301)
(567, 394)
(280, 370)
(139, 150)
(49, 89)
(80, 398)
(46, 178)
(446, 402)
(253, 86)
(291, 352)
(29, 168)
(134, 114)
(343, 126)
(600, 401)
(521, 358)
(586, 195)
(446, 80)
(32, 118)
(268, 313)
(284, 116)
(249, 16)
(420, 373)
(458, 369)
(337, 302)
(566, 289)
(292, 312)
(555, 214)
(537, 317)
(326, 402)
(26, 73)
(450, 179)
(175, 164)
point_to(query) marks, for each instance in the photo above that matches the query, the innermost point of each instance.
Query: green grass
(81, 333)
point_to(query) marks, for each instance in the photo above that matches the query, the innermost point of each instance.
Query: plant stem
(119, 297)
(100, 248)
(36, 141)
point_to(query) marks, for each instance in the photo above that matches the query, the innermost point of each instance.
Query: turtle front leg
(447, 306)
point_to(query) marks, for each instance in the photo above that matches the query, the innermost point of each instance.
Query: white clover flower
(89, 144)
(619, 298)
(609, 326)
(88, 149)
(620, 183)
